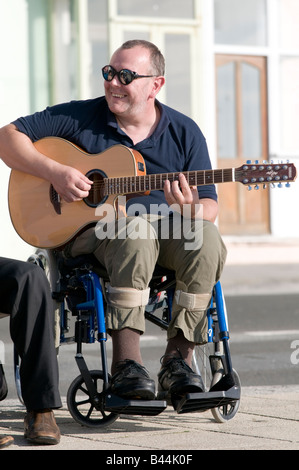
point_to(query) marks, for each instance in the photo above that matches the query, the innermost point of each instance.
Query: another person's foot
(132, 381)
(177, 378)
(3, 384)
(6, 441)
(40, 427)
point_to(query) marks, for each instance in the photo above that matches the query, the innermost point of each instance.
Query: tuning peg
(279, 185)
(249, 188)
(256, 187)
(264, 186)
(288, 185)
(248, 162)
(272, 185)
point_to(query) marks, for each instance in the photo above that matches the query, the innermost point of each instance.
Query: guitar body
(45, 223)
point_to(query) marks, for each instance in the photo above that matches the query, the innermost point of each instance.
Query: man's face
(133, 99)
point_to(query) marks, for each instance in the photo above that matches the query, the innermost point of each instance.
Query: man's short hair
(157, 58)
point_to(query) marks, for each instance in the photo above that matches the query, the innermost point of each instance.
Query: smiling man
(130, 114)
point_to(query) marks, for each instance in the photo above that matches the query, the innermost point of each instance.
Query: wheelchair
(78, 292)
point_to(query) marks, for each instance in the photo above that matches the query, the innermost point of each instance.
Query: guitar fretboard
(132, 184)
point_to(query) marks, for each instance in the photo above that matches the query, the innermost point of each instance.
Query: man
(25, 296)
(130, 114)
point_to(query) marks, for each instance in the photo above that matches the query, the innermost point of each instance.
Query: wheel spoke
(82, 402)
(90, 411)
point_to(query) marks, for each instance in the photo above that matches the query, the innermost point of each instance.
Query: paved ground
(268, 417)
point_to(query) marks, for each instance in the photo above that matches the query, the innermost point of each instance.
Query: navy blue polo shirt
(176, 145)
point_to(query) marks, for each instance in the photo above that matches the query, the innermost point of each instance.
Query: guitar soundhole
(97, 193)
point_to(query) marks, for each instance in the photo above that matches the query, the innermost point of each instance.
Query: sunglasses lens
(108, 73)
(126, 76)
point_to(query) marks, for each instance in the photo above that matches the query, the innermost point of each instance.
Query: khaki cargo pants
(130, 253)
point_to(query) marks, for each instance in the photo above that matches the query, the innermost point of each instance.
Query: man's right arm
(19, 153)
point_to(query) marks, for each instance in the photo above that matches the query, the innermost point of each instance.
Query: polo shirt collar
(150, 141)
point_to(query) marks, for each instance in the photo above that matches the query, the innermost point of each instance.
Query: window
(156, 8)
(240, 22)
(39, 56)
(178, 68)
(289, 102)
(251, 115)
(289, 31)
(226, 111)
(98, 41)
(289, 75)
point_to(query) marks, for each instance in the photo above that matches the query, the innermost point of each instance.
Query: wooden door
(241, 136)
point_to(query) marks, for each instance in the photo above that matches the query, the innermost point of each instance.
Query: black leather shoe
(3, 384)
(177, 378)
(132, 381)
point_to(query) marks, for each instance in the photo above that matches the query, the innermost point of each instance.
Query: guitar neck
(133, 184)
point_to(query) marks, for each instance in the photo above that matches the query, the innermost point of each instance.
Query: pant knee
(122, 297)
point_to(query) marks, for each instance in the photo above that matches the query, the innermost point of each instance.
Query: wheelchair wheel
(201, 362)
(80, 404)
(226, 412)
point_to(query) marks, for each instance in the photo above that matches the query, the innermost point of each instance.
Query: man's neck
(139, 129)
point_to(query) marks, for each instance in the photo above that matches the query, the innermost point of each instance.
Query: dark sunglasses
(125, 76)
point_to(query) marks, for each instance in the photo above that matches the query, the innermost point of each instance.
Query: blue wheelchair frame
(107, 407)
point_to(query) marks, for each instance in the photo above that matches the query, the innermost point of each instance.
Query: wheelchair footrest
(192, 402)
(118, 405)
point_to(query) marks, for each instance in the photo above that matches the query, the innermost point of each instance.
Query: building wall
(14, 101)
(27, 85)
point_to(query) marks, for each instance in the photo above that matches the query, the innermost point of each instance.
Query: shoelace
(132, 366)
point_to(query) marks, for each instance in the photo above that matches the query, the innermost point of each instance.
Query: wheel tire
(80, 404)
(224, 413)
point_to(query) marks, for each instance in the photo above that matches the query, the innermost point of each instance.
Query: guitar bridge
(55, 200)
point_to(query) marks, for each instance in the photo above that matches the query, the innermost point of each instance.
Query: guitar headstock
(265, 173)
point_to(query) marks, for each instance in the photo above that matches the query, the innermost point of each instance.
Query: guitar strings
(148, 182)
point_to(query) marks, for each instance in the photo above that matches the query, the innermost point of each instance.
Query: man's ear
(158, 84)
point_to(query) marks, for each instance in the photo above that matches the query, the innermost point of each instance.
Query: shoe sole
(46, 440)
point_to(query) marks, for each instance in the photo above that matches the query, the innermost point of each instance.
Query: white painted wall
(14, 102)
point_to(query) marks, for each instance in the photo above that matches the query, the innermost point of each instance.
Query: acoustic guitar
(44, 220)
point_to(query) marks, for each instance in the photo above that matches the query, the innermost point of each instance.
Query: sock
(125, 345)
(179, 346)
